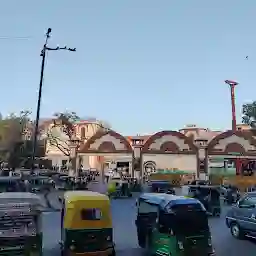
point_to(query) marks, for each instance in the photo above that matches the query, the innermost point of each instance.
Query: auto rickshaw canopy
(86, 210)
(167, 201)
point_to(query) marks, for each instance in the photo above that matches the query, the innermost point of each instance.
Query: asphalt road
(123, 213)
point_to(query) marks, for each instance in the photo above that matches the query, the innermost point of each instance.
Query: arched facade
(228, 147)
(107, 149)
(170, 150)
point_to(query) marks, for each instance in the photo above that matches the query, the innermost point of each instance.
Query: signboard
(221, 166)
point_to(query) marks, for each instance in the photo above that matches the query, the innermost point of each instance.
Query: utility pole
(43, 54)
(232, 85)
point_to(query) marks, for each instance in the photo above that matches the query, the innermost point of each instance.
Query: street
(123, 213)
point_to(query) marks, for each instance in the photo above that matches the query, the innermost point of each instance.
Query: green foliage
(249, 114)
(13, 144)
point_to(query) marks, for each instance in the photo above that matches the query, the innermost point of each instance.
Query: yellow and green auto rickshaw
(86, 224)
(172, 225)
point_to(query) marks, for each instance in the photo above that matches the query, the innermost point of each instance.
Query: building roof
(206, 135)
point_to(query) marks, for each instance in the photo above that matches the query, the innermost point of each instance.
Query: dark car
(40, 183)
(160, 186)
(199, 182)
(241, 218)
(11, 184)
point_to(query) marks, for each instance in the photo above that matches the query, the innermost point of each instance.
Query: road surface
(123, 213)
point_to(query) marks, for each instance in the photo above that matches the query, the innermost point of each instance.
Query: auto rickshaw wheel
(142, 240)
(236, 231)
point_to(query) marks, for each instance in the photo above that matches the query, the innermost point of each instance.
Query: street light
(232, 85)
(43, 54)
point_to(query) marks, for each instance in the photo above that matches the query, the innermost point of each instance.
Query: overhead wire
(15, 37)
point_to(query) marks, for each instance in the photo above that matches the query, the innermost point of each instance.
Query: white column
(73, 156)
(86, 162)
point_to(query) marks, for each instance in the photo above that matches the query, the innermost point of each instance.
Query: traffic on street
(125, 233)
(85, 167)
(124, 211)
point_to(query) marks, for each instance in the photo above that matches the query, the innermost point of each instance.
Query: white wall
(89, 160)
(180, 161)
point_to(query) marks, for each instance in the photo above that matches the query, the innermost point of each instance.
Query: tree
(12, 131)
(62, 131)
(249, 114)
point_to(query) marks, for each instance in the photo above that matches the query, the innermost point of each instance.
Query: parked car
(241, 218)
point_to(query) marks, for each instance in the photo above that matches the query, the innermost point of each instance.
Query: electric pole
(43, 54)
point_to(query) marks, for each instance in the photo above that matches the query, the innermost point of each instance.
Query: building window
(82, 133)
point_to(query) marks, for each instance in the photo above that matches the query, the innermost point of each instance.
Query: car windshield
(161, 186)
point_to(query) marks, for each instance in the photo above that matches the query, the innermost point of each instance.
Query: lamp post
(232, 85)
(43, 54)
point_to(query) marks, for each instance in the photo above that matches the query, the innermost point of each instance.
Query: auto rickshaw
(209, 196)
(119, 188)
(173, 225)
(20, 221)
(161, 186)
(86, 224)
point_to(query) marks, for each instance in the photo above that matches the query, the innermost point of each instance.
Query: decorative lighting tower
(232, 85)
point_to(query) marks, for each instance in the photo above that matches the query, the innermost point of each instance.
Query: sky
(141, 65)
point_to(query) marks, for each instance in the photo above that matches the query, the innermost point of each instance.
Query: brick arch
(235, 147)
(106, 145)
(247, 135)
(169, 146)
(161, 134)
